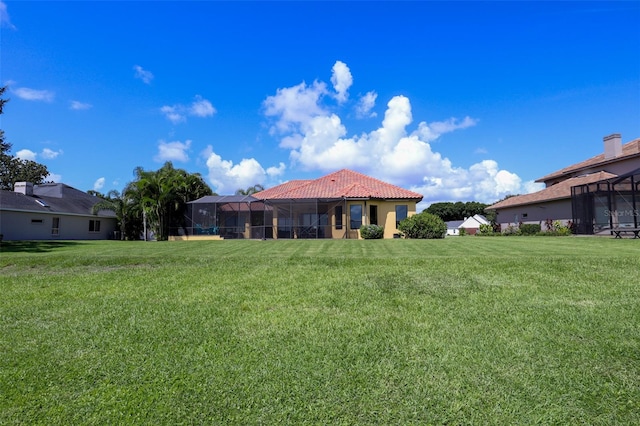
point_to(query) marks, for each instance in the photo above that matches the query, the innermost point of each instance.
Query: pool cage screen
(245, 217)
(600, 207)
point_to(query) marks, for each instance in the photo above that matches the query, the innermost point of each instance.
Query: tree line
(459, 210)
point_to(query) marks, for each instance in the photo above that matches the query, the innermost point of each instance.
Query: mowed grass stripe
(462, 330)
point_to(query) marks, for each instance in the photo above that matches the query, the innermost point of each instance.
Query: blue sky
(455, 100)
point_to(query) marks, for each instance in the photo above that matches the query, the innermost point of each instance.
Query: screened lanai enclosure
(607, 205)
(246, 217)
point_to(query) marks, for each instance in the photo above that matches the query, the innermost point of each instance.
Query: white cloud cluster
(365, 105)
(46, 153)
(341, 80)
(173, 151)
(79, 106)
(142, 74)
(5, 21)
(53, 177)
(29, 94)
(50, 154)
(178, 113)
(98, 184)
(227, 177)
(317, 140)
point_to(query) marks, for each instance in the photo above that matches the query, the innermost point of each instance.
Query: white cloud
(26, 154)
(172, 113)
(366, 104)
(53, 177)
(50, 154)
(77, 105)
(432, 131)
(98, 184)
(531, 186)
(295, 106)
(318, 140)
(173, 151)
(200, 107)
(341, 80)
(227, 177)
(33, 94)
(142, 74)
(5, 21)
(276, 171)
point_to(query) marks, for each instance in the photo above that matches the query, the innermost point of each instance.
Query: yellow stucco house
(332, 206)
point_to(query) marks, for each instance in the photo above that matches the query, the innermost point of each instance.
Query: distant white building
(453, 227)
(471, 225)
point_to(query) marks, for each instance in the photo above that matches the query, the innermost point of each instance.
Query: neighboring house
(471, 225)
(554, 202)
(453, 227)
(332, 206)
(52, 211)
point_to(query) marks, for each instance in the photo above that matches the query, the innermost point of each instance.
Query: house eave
(56, 213)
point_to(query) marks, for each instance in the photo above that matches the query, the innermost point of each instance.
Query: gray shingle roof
(54, 198)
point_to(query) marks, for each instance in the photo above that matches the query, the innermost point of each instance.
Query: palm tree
(163, 195)
(251, 190)
(117, 203)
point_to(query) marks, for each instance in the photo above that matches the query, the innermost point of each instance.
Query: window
(338, 217)
(55, 226)
(94, 226)
(38, 221)
(401, 213)
(355, 213)
(373, 215)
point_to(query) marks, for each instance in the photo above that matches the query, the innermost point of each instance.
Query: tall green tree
(162, 196)
(13, 169)
(456, 211)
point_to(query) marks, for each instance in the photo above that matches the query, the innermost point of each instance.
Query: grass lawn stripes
(467, 330)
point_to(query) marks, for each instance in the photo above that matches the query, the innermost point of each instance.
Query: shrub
(530, 228)
(462, 232)
(511, 230)
(371, 232)
(423, 226)
(557, 228)
(485, 229)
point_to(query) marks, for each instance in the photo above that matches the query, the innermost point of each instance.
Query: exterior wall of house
(535, 213)
(350, 229)
(386, 217)
(20, 225)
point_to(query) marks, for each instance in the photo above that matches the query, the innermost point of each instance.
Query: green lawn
(465, 330)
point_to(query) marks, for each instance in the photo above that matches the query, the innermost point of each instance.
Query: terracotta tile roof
(558, 191)
(280, 189)
(341, 184)
(630, 149)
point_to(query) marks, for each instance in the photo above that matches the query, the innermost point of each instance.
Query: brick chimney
(25, 188)
(612, 146)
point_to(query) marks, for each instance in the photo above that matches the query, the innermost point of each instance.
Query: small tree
(424, 226)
